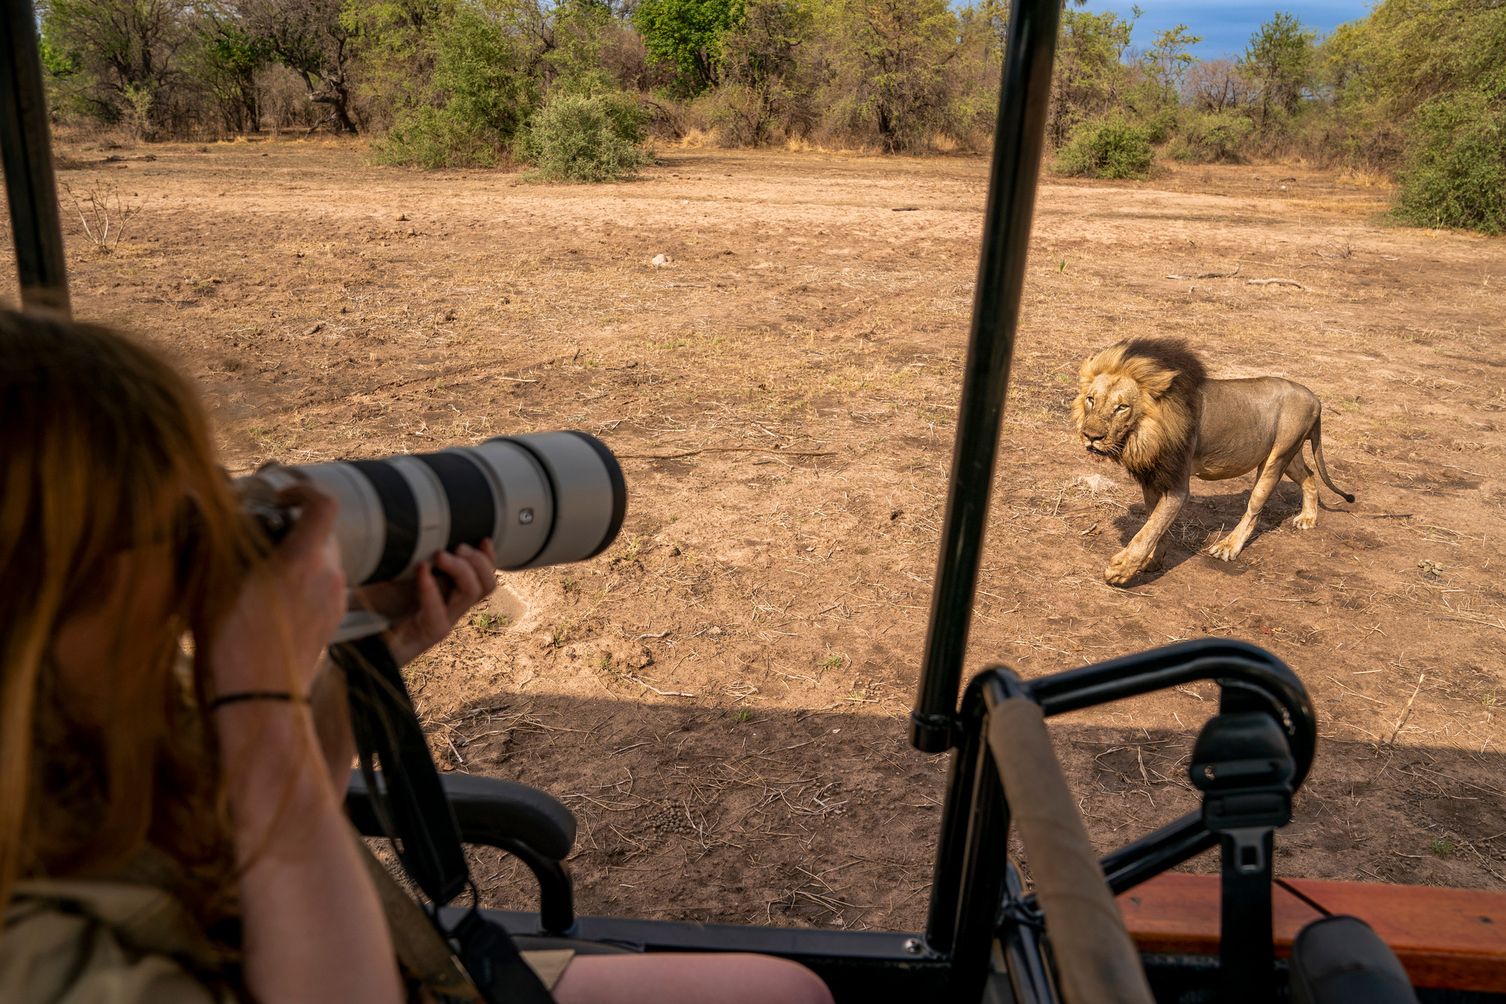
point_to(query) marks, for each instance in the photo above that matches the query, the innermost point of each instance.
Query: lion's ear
(1156, 382)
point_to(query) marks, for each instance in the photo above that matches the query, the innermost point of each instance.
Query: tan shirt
(101, 942)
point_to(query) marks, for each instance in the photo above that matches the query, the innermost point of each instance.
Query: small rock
(660, 260)
(316, 328)
(402, 218)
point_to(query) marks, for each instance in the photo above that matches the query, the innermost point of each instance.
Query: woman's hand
(423, 611)
(288, 607)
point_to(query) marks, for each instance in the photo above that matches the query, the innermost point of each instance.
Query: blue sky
(1226, 25)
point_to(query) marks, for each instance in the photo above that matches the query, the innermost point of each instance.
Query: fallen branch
(661, 693)
(1406, 712)
(1210, 275)
(725, 449)
(1275, 282)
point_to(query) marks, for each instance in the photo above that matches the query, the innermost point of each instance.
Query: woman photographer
(173, 749)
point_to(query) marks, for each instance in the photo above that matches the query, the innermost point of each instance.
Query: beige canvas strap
(423, 953)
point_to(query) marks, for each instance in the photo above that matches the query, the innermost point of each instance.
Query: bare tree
(1216, 85)
(311, 38)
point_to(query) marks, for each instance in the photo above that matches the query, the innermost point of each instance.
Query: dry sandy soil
(722, 697)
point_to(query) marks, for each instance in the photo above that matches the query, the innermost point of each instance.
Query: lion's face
(1107, 409)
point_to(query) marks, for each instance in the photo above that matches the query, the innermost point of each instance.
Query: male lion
(1149, 404)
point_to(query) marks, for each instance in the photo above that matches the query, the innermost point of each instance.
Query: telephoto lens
(544, 499)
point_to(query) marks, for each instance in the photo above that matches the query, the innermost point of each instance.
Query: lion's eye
(1122, 407)
(1088, 401)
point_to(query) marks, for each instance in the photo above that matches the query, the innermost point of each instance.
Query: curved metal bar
(1238, 668)
(1231, 663)
(1018, 136)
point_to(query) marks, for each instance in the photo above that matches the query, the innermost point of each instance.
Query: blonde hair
(106, 448)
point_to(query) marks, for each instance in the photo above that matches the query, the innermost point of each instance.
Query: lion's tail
(1315, 436)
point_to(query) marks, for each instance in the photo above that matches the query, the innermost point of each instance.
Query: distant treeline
(1416, 90)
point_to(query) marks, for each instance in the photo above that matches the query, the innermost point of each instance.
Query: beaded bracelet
(256, 695)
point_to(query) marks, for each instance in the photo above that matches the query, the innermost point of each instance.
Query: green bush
(1455, 173)
(580, 137)
(434, 138)
(1212, 138)
(481, 94)
(1107, 147)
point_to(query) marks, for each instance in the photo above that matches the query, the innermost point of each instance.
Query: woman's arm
(314, 929)
(313, 926)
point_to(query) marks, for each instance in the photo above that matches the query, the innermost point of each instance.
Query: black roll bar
(968, 887)
(1018, 136)
(26, 146)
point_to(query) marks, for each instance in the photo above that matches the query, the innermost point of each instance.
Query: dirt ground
(722, 697)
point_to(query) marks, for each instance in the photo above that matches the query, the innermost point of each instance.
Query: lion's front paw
(1226, 550)
(1305, 520)
(1122, 568)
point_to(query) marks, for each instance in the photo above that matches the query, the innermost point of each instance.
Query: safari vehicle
(989, 935)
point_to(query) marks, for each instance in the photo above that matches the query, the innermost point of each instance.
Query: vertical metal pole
(1018, 136)
(26, 147)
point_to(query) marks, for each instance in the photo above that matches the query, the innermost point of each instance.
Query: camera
(543, 498)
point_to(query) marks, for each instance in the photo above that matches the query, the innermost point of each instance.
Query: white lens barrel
(523, 498)
(585, 493)
(544, 498)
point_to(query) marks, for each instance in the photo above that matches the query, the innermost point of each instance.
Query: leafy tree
(1167, 61)
(896, 53)
(396, 59)
(226, 62)
(124, 57)
(1455, 175)
(1090, 73)
(1279, 60)
(686, 35)
(1419, 86)
(763, 86)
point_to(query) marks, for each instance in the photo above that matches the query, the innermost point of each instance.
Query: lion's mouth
(1098, 451)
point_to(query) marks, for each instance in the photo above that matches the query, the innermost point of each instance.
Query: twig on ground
(1407, 711)
(1209, 275)
(1275, 282)
(661, 693)
(725, 449)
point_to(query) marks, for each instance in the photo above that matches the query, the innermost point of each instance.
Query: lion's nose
(1092, 438)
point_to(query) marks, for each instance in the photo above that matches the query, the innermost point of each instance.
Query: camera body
(543, 498)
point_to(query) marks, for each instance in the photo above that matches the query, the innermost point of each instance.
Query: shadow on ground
(829, 818)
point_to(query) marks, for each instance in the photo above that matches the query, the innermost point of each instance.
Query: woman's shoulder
(104, 942)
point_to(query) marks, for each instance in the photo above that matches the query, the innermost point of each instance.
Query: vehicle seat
(1340, 960)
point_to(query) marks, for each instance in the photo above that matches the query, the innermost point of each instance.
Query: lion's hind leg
(1298, 471)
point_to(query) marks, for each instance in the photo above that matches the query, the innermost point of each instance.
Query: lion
(1149, 405)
